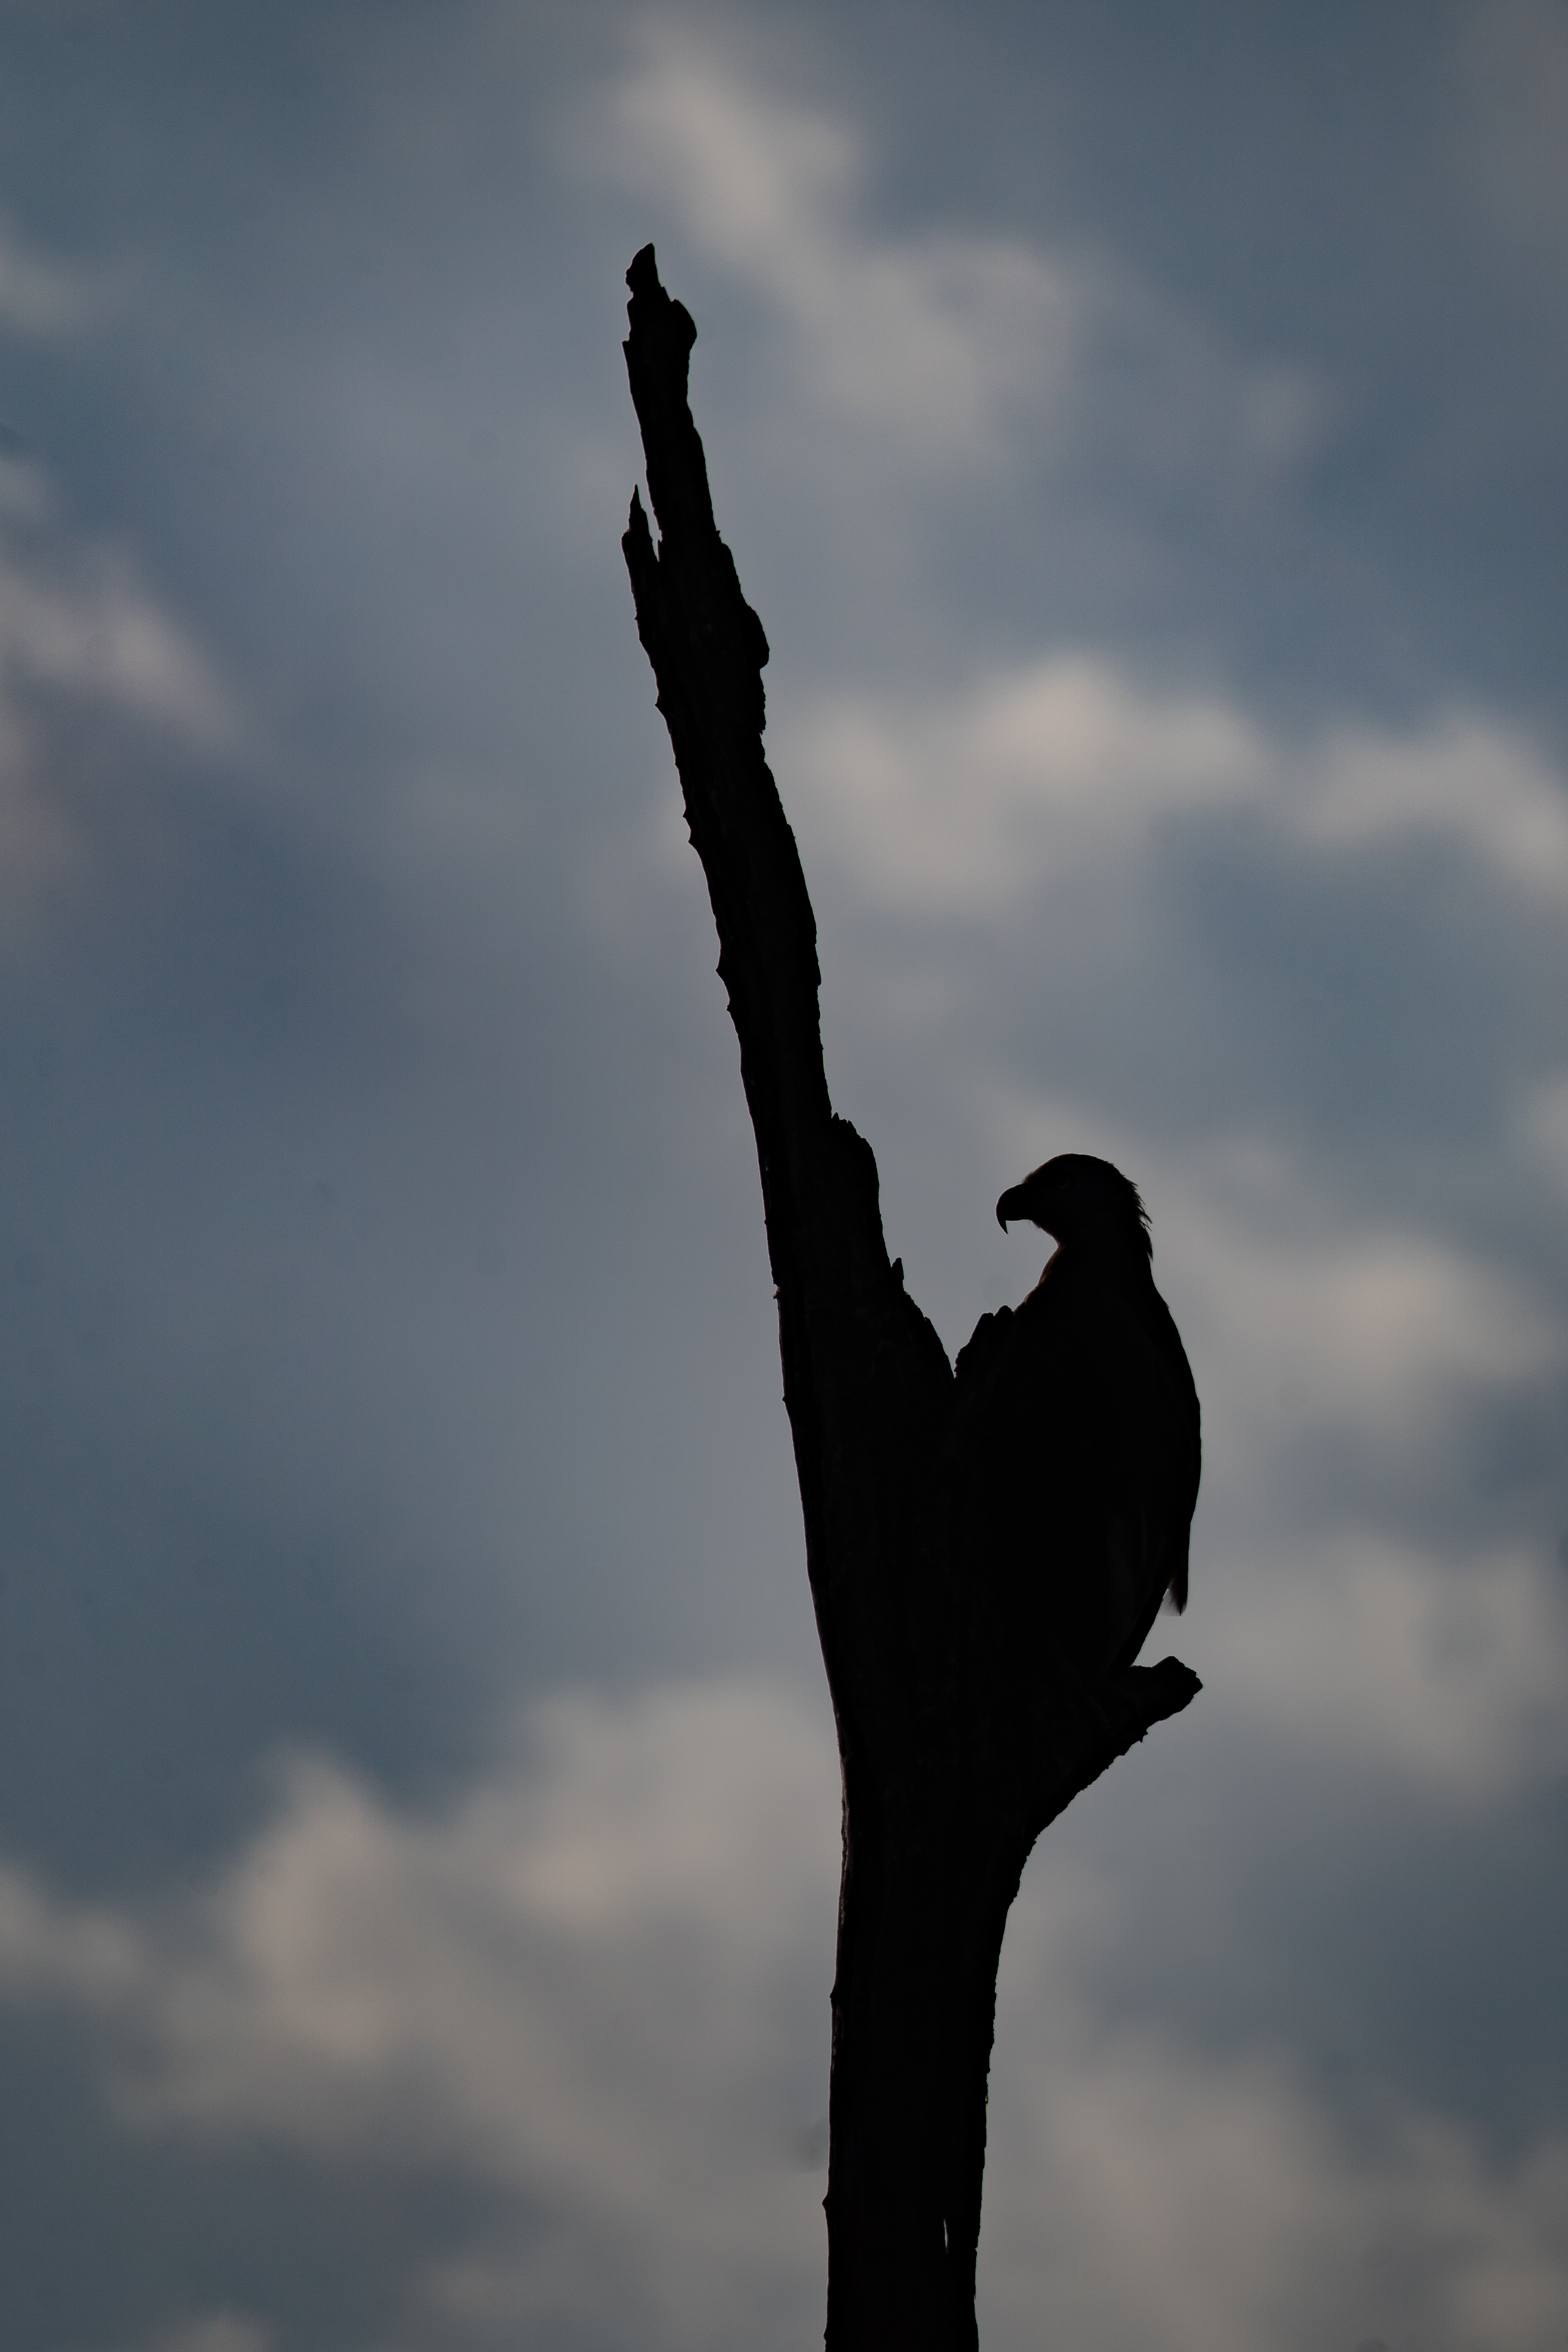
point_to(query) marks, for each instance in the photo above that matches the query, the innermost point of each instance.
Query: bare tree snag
(957, 1749)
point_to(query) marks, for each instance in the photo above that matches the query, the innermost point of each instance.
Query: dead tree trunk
(957, 1750)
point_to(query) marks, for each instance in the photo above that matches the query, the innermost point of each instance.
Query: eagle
(1080, 1449)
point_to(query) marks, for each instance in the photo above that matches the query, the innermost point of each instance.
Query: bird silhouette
(1079, 1429)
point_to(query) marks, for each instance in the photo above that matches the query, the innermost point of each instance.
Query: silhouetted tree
(959, 1741)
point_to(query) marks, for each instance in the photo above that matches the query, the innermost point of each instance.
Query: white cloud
(963, 804)
(599, 1981)
(99, 634)
(80, 637)
(1451, 1672)
(1467, 778)
(213, 2331)
(1360, 1326)
(1513, 131)
(924, 339)
(43, 297)
(1212, 2204)
(1544, 1129)
(581, 1984)
(941, 348)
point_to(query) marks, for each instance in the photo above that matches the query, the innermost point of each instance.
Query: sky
(1141, 431)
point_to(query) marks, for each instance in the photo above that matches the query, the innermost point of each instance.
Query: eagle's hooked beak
(1011, 1205)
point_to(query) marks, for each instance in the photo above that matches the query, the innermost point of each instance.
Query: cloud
(963, 804)
(1544, 1128)
(84, 645)
(96, 632)
(1212, 2203)
(945, 348)
(1467, 778)
(960, 805)
(599, 1982)
(42, 298)
(1373, 1329)
(213, 2331)
(1454, 1671)
(926, 339)
(578, 1986)
(1513, 62)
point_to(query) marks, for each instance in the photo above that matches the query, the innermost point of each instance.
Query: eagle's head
(1076, 1198)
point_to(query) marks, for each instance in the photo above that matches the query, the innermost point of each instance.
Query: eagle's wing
(1080, 1466)
(1157, 1462)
